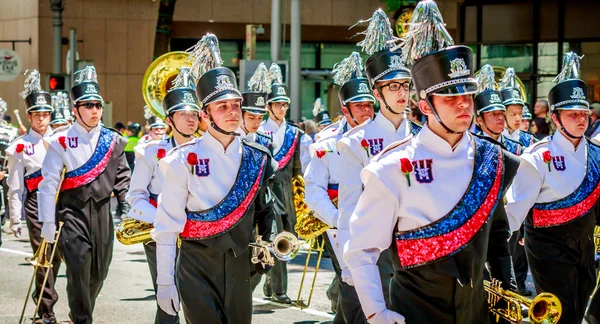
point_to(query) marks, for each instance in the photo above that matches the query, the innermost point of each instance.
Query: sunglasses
(91, 105)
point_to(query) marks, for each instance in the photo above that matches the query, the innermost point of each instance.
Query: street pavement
(128, 296)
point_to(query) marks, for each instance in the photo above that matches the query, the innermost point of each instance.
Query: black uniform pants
(565, 269)
(161, 317)
(214, 288)
(87, 243)
(49, 296)
(519, 258)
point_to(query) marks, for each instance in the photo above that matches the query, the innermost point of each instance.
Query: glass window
(544, 85)
(547, 58)
(335, 53)
(308, 53)
(517, 56)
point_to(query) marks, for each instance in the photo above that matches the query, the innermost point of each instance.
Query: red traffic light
(56, 82)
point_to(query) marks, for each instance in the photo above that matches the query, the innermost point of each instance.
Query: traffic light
(57, 82)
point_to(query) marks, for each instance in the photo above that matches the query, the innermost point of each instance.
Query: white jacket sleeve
(305, 142)
(350, 184)
(51, 173)
(523, 192)
(16, 187)
(316, 179)
(372, 227)
(138, 195)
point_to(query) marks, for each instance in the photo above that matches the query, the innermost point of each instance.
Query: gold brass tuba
(544, 308)
(307, 225)
(132, 231)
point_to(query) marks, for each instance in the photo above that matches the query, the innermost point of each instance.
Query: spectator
(540, 110)
(540, 128)
(121, 128)
(594, 128)
(310, 128)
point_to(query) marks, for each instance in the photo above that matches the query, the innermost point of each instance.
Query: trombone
(40, 260)
(319, 247)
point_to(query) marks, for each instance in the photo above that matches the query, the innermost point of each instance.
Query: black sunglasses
(91, 105)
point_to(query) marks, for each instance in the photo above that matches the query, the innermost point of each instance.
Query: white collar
(565, 144)
(81, 130)
(430, 139)
(212, 143)
(37, 135)
(273, 123)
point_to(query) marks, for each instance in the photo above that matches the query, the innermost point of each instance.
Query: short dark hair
(119, 125)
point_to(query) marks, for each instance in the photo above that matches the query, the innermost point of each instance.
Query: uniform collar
(215, 145)
(271, 123)
(430, 139)
(81, 130)
(565, 144)
(37, 135)
(387, 125)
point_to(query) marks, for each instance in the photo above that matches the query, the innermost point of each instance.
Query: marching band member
(208, 201)
(286, 152)
(156, 129)
(526, 118)
(390, 81)
(490, 111)
(441, 232)
(147, 180)
(321, 118)
(560, 181)
(322, 176)
(25, 157)
(61, 115)
(513, 101)
(94, 167)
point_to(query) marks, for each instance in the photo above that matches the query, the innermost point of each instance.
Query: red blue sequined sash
(512, 146)
(525, 138)
(578, 203)
(91, 169)
(229, 212)
(153, 199)
(263, 140)
(33, 180)
(453, 232)
(286, 152)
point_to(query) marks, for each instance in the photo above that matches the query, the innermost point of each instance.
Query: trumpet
(284, 247)
(545, 308)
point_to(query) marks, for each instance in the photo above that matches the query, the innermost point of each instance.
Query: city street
(127, 295)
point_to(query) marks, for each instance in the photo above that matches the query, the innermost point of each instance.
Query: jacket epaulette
(534, 145)
(359, 127)
(15, 140)
(178, 147)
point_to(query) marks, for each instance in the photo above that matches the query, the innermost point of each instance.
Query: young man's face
(513, 116)
(252, 121)
(456, 112)
(525, 125)
(361, 111)
(492, 121)
(185, 121)
(574, 121)
(39, 120)
(227, 114)
(279, 109)
(395, 92)
(89, 111)
(157, 133)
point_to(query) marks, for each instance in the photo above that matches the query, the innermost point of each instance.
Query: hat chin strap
(378, 88)
(486, 126)
(510, 130)
(177, 130)
(564, 129)
(219, 129)
(350, 113)
(437, 117)
(81, 118)
(273, 113)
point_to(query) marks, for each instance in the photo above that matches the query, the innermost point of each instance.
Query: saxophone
(132, 231)
(307, 225)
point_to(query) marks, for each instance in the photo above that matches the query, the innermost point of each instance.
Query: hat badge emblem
(363, 88)
(515, 94)
(578, 93)
(495, 98)
(187, 98)
(260, 101)
(458, 68)
(41, 100)
(91, 89)
(281, 91)
(396, 63)
(223, 83)
(59, 115)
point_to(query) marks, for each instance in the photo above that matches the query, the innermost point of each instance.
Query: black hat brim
(229, 95)
(39, 108)
(457, 90)
(279, 99)
(362, 98)
(255, 111)
(90, 97)
(395, 75)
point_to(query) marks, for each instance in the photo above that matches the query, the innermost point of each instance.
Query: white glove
(387, 316)
(49, 231)
(168, 299)
(347, 276)
(16, 229)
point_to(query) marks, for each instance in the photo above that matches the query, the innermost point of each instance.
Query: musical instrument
(544, 308)
(319, 247)
(38, 260)
(307, 225)
(284, 247)
(16, 112)
(159, 77)
(132, 231)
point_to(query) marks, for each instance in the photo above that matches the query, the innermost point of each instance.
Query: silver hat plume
(348, 68)
(426, 33)
(318, 107)
(87, 74)
(570, 68)
(205, 55)
(32, 83)
(485, 78)
(184, 79)
(3, 106)
(61, 101)
(509, 79)
(147, 112)
(275, 75)
(378, 35)
(260, 80)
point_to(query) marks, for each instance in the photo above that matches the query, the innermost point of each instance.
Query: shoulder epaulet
(193, 141)
(18, 138)
(392, 146)
(256, 146)
(534, 145)
(112, 129)
(359, 127)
